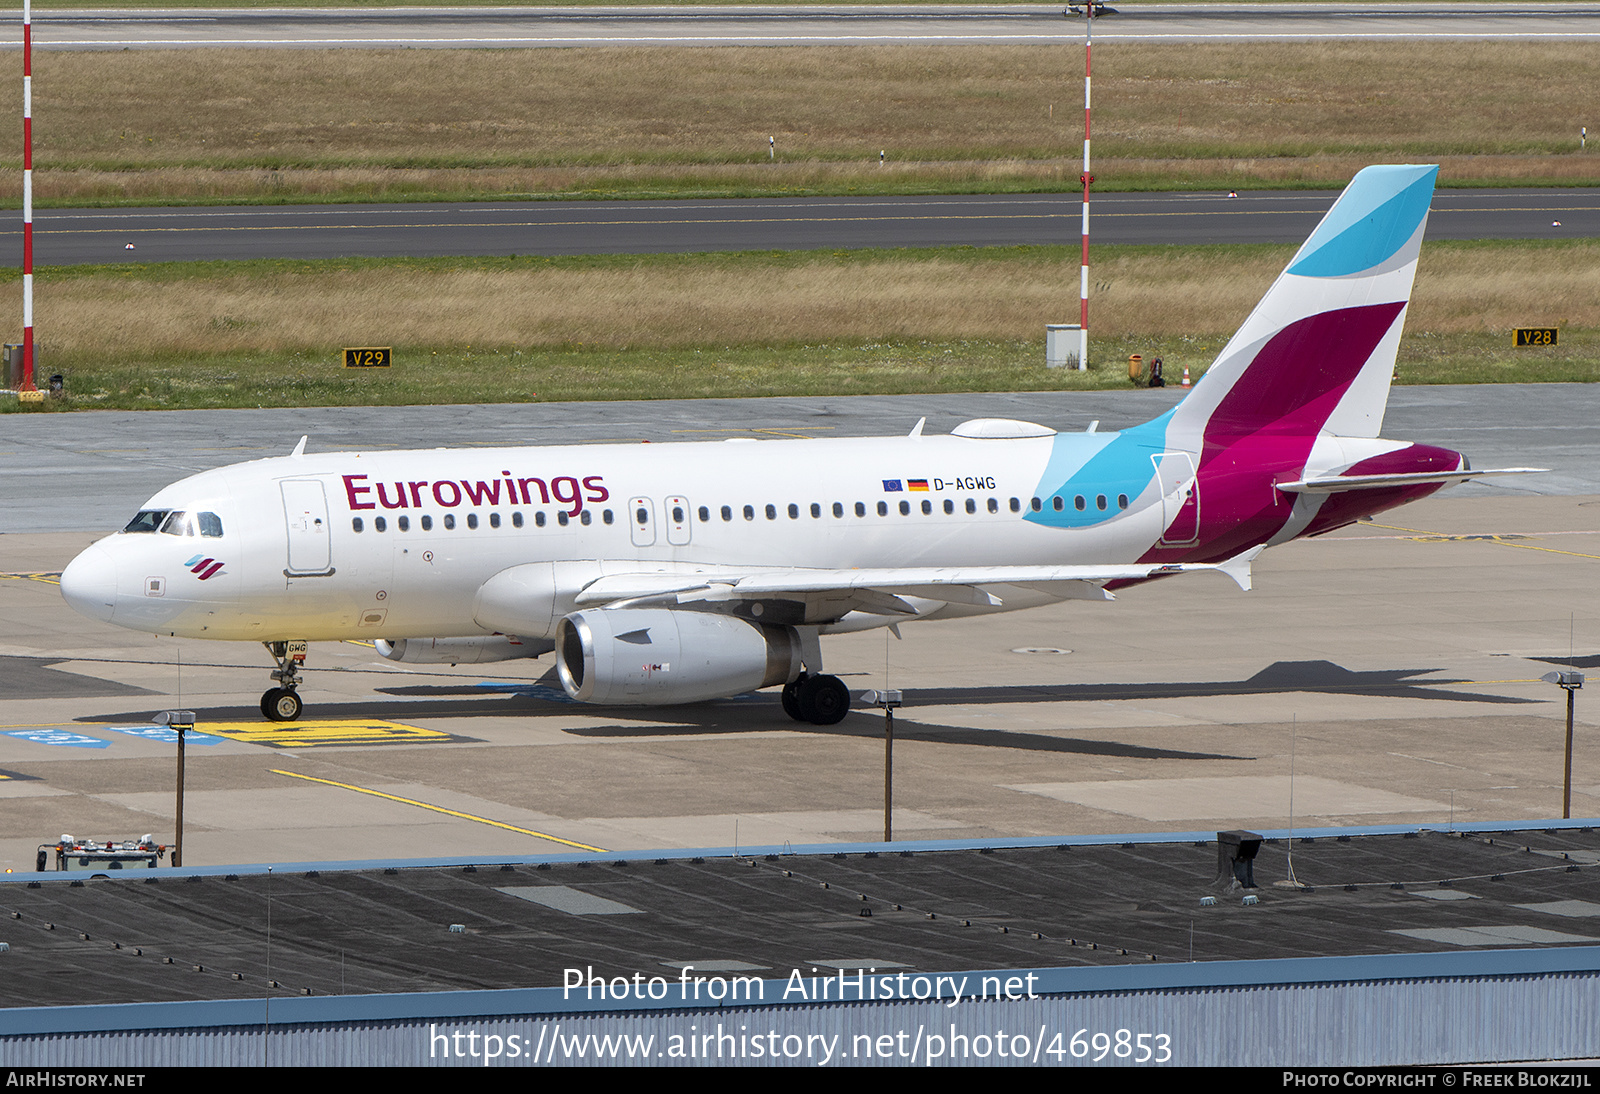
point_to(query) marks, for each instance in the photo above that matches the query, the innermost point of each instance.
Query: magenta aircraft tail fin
(1317, 353)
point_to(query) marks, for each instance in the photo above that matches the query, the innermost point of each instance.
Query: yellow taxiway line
(440, 809)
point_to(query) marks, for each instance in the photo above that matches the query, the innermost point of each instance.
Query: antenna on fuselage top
(916, 430)
(299, 449)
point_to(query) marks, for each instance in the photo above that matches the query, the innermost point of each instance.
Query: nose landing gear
(282, 704)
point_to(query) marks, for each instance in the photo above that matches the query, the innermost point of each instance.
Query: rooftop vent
(1236, 855)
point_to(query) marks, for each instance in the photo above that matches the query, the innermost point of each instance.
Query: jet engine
(462, 651)
(650, 657)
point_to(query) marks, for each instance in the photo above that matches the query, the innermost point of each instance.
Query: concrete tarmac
(1386, 673)
(91, 470)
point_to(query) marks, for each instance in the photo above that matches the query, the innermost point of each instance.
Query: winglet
(1238, 567)
(299, 449)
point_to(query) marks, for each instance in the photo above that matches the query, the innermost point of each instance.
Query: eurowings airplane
(676, 573)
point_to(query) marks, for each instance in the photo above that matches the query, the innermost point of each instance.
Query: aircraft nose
(89, 584)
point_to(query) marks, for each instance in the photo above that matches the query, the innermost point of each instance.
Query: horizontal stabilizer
(1335, 484)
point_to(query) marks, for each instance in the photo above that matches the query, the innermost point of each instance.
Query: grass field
(957, 319)
(289, 125)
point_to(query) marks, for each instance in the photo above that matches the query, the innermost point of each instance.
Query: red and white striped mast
(1086, 179)
(27, 197)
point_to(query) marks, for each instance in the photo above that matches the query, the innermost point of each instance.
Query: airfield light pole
(1086, 179)
(27, 197)
(1568, 681)
(181, 722)
(888, 700)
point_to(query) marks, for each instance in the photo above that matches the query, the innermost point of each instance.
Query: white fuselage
(397, 545)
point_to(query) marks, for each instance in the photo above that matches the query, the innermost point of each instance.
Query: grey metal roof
(204, 935)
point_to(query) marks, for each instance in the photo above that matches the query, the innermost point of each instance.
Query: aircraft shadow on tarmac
(35, 678)
(1587, 661)
(758, 713)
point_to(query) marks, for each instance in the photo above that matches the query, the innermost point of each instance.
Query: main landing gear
(282, 704)
(820, 700)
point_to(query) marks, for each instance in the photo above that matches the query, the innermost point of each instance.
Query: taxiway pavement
(510, 27)
(114, 236)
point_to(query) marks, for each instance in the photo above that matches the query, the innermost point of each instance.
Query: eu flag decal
(892, 486)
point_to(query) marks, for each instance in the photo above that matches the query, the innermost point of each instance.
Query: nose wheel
(282, 704)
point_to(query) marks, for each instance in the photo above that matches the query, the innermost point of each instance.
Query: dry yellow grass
(226, 123)
(719, 301)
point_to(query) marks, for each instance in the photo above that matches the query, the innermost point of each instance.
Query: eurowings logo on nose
(205, 567)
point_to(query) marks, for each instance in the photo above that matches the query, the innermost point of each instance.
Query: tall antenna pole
(27, 197)
(1083, 292)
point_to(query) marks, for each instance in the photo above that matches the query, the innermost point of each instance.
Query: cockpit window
(147, 520)
(210, 525)
(178, 524)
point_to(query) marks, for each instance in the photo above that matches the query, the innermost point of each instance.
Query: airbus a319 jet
(676, 573)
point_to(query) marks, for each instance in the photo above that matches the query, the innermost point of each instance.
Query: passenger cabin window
(378, 523)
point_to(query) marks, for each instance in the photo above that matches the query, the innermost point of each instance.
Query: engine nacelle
(461, 651)
(657, 656)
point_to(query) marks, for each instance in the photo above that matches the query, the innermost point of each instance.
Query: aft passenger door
(1180, 499)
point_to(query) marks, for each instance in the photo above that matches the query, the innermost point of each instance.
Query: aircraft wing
(881, 589)
(1335, 484)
